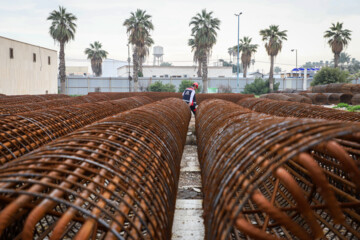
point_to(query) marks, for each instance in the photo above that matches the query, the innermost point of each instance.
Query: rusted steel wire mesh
(335, 98)
(115, 179)
(294, 97)
(20, 99)
(291, 97)
(22, 133)
(156, 96)
(356, 99)
(337, 88)
(268, 177)
(300, 110)
(317, 98)
(275, 96)
(13, 109)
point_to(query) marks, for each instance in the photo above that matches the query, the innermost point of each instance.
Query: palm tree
(338, 39)
(62, 30)
(344, 58)
(96, 54)
(197, 54)
(274, 38)
(246, 49)
(204, 27)
(143, 51)
(230, 52)
(138, 26)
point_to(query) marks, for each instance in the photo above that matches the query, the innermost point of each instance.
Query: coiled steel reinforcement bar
(268, 177)
(26, 107)
(22, 133)
(293, 109)
(20, 99)
(115, 179)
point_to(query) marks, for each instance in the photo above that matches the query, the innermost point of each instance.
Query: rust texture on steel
(335, 98)
(356, 99)
(114, 179)
(22, 133)
(34, 106)
(337, 88)
(267, 177)
(156, 96)
(316, 98)
(300, 110)
(20, 99)
(291, 97)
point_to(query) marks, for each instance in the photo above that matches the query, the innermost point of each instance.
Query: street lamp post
(237, 66)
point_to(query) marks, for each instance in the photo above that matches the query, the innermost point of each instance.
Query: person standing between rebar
(189, 96)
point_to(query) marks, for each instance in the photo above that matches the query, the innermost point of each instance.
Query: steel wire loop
(293, 109)
(114, 179)
(22, 133)
(267, 177)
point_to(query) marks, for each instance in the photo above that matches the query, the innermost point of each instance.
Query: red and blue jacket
(189, 96)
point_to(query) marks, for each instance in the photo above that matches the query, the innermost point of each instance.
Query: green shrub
(259, 86)
(341, 105)
(160, 87)
(188, 83)
(329, 75)
(354, 108)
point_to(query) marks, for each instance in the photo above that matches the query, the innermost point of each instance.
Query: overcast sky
(305, 21)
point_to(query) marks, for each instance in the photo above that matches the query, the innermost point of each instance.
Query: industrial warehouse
(122, 120)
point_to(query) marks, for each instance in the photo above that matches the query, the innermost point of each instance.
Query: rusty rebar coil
(335, 98)
(355, 100)
(291, 97)
(19, 108)
(337, 88)
(299, 110)
(23, 133)
(319, 89)
(157, 96)
(20, 99)
(316, 98)
(115, 179)
(268, 177)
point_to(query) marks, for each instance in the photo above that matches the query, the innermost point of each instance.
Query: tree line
(204, 27)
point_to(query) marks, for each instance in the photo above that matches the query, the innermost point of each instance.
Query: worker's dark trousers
(193, 109)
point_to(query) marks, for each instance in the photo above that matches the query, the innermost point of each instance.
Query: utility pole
(237, 66)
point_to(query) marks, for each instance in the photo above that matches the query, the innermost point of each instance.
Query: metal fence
(84, 85)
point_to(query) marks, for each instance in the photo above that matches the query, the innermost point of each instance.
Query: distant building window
(11, 53)
(49, 60)
(166, 75)
(154, 76)
(185, 76)
(34, 57)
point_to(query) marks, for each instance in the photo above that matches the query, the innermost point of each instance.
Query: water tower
(158, 53)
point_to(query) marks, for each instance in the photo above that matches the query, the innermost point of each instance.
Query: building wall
(21, 75)
(77, 70)
(177, 71)
(83, 85)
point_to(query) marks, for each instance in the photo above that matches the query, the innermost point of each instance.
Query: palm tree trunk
(199, 68)
(62, 68)
(135, 71)
(245, 70)
(336, 59)
(271, 76)
(205, 73)
(141, 64)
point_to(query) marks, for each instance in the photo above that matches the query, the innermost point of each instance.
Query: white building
(176, 71)
(82, 67)
(27, 68)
